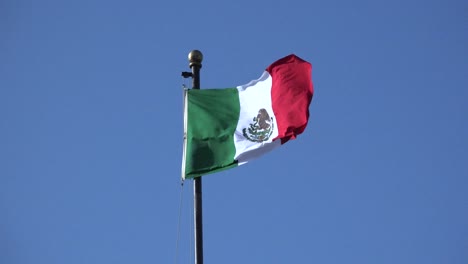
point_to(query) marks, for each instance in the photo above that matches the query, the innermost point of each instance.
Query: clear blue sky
(91, 132)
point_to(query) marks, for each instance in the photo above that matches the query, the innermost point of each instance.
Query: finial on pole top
(195, 58)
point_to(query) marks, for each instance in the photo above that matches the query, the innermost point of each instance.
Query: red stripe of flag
(291, 95)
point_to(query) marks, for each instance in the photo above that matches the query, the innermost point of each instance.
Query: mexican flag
(225, 128)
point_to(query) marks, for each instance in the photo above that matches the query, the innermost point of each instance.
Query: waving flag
(228, 127)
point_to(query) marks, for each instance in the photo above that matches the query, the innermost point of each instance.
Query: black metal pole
(195, 58)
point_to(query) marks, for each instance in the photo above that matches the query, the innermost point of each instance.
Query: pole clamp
(187, 74)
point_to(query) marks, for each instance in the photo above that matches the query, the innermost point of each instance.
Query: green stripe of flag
(212, 116)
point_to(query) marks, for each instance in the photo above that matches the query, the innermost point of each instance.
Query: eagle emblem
(261, 128)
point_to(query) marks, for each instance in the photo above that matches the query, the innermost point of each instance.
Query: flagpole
(195, 58)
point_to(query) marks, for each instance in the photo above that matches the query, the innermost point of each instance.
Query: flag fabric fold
(224, 128)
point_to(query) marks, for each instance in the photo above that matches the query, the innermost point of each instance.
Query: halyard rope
(178, 223)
